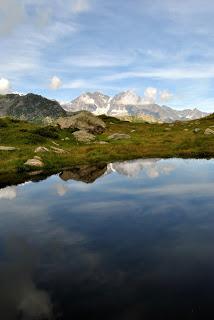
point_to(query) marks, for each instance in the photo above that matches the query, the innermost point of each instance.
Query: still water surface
(131, 240)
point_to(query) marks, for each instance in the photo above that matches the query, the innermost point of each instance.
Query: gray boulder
(83, 136)
(83, 120)
(208, 131)
(34, 163)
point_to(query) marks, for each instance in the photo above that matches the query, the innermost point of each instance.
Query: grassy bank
(147, 141)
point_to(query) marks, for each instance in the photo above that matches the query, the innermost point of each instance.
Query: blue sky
(61, 48)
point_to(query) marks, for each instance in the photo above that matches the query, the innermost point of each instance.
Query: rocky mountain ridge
(128, 105)
(30, 107)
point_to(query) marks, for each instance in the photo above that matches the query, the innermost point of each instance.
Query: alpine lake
(127, 240)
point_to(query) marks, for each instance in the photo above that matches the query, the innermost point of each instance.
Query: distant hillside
(29, 107)
(129, 106)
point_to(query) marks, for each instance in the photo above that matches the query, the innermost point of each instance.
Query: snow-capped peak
(128, 98)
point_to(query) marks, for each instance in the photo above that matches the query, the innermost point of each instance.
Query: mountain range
(128, 105)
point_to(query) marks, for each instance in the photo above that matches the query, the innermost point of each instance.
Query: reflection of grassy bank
(147, 141)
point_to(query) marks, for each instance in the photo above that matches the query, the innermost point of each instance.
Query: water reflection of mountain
(153, 168)
(84, 173)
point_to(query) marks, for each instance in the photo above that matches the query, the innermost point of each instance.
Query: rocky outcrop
(83, 136)
(83, 120)
(209, 131)
(119, 136)
(129, 106)
(30, 107)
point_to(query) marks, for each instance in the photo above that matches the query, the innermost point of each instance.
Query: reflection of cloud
(152, 167)
(8, 193)
(61, 189)
(18, 292)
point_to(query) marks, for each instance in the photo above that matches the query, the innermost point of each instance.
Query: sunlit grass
(147, 140)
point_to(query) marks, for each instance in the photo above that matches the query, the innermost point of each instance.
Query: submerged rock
(83, 120)
(83, 136)
(119, 136)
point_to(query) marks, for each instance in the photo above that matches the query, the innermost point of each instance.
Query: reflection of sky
(134, 236)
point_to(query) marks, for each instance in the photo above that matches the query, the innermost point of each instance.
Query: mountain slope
(29, 107)
(129, 105)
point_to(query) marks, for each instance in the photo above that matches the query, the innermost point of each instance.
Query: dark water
(132, 240)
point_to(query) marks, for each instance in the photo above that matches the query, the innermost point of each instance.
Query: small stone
(41, 149)
(67, 138)
(196, 130)
(34, 163)
(56, 144)
(58, 150)
(119, 136)
(186, 129)
(3, 148)
(133, 130)
(38, 158)
(101, 142)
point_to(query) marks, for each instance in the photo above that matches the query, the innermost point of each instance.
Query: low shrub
(47, 132)
(3, 123)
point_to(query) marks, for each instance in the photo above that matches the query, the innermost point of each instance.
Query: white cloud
(200, 72)
(76, 84)
(12, 12)
(55, 83)
(4, 86)
(150, 95)
(99, 60)
(79, 6)
(61, 189)
(8, 193)
(165, 96)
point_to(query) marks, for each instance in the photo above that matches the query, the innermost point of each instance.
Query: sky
(62, 48)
